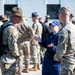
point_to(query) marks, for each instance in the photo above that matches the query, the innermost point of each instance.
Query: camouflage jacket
(26, 33)
(38, 31)
(66, 42)
(10, 37)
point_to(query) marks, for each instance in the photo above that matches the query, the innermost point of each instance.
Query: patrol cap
(16, 11)
(64, 10)
(34, 14)
(47, 17)
(3, 18)
(55, 23)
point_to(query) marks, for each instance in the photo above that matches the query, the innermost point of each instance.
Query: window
(52, 10)
(8, 8)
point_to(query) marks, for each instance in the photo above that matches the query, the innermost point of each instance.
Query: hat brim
(5, 19)
(16, 14)
(34, 16)
(53, 24)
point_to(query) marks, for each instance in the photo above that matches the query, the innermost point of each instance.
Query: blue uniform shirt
(50, 52)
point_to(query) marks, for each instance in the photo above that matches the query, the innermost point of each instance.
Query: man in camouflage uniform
(3, 18)
(10, 37)
(35, 48)
(25, 34)
(66, 44)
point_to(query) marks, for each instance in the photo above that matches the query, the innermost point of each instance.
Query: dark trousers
(51, 68)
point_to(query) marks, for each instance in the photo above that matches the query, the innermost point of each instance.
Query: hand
(58, 60)
(37, 38)
(50, 45)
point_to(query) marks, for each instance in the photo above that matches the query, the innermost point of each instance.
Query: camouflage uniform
(26, 33)
(66, 49)
(35, 48)
(7, 61)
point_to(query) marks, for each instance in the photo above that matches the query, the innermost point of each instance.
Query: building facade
(42, 7)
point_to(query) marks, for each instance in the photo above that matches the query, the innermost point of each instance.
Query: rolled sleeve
(62, 45)
(12, 41)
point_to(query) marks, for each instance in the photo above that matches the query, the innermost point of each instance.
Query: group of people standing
(59, 43)
(19, 41)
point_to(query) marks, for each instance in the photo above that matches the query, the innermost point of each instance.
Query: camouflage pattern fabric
(35, 48)
(66, 48)
(7, 61)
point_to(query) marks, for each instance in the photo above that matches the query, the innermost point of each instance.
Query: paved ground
(39, 72)
(33, 72)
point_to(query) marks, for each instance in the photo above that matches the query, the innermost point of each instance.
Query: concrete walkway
(39, 72)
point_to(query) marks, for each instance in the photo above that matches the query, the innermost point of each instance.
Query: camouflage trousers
(7, 64)
(8, 69)
(65, 71)
(35, 53)
(24, 50)
(42, 50)
(67, 66)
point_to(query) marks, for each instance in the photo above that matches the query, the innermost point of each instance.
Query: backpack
(2, 46)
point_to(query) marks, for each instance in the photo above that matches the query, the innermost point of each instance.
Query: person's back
(10, 32)
(45, 30)
(10, 36)
(26, 34)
